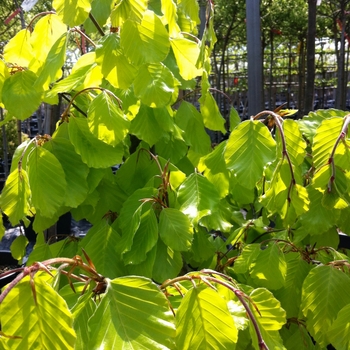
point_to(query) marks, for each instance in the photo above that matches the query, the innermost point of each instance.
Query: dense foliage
(193, 245)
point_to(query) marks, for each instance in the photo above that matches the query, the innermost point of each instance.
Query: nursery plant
(192, 245)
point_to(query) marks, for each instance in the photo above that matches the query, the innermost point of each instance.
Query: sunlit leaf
(147, 42)
(52, 68)
(18, 51)
(114, 65)
(322, 298)
(197, 197)
(204, 322)
(20, 85)
(324, 140)
(128, 9)
(269, 268)
(124, 320)
(46, 32)
(94, 152)
(294, 141)
(106, 120)
(154, 85)
(175, 229)
(72, 12)
(15, 196)
(18, 247)
(29, 324)
(186, 54)
(249, 253)
(249, 149)
(214, 167)
(47, 181)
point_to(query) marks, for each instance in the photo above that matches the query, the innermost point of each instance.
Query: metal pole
(255, 62)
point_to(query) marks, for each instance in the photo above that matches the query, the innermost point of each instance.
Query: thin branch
(76, 29)
(98, 27)
(285, 154)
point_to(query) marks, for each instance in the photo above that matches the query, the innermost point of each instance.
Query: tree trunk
(340, 96)
(301, 92)
(310, 65)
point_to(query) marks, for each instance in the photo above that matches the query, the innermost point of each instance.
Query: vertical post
(255, 62)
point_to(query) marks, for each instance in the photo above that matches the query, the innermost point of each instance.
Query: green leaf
(168, 263)
(154, 85)
(147, 42)
(15, 196)
(290, 294)
(94, 152)
(72, 12)
(324, 140)
(114, 65)
(267, 310)
(52, 68)
(214, 167)
(106, 120)
(269, 268)
(294, 140)
(197, 197)
(170, 15)
(128, 9)
(249, 149)
(35, 322)
(18, 50)
(70, 83)
(235, 119)
(102, 244)
(173, 148)
(296, 337)
(191, 122)
(82, 311)
(212, 117)
(339, 333)
(322, 298)
(46, 32)
(175, 229)
(100, 10)
(18, 247)
(186, 53)
(41, 250)
(151, 124)
(47, 181)
(75, 170)
(4, 74)
(130, 216)
(145, 239)
(20, 86)
(133, 314)
(204, 322)
(249, 254)
(275, 199)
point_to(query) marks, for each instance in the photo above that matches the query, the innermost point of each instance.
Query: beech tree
(192, 245)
